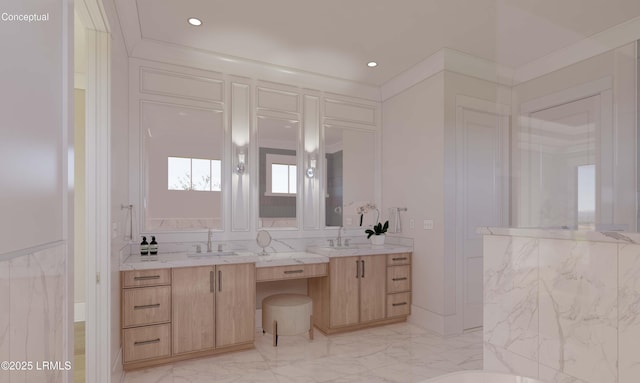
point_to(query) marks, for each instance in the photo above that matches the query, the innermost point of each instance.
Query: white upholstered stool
(287, 314)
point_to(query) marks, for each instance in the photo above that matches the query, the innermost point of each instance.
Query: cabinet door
(373, 291)
(193, 296)
(344, 279)
(235, 304)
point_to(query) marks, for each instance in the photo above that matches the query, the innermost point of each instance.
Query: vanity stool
(288, 314)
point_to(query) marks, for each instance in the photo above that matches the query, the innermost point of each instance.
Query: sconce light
(311, 170)
(242, 160)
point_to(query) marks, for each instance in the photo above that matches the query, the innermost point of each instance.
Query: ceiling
(338, 37)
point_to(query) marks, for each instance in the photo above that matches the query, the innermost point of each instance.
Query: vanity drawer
(398, 279)
(146, 342)
(146, 305)
(277, 273)
(398, 304)
(140, 278)
(399, 259)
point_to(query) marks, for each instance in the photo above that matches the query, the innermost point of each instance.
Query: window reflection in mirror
(350, 169)
(278, 172)
(183, 150)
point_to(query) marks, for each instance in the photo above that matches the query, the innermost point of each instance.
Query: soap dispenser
(144, 246)
(153, 246)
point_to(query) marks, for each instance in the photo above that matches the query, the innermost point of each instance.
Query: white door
(482, 199)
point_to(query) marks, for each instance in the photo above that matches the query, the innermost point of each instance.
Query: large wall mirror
(183, 162)
(350, 175)
(278, 141)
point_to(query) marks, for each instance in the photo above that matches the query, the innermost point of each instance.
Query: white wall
(419, 172)
(120, 218)
(79, 237)
(36, 105)
(413, 176)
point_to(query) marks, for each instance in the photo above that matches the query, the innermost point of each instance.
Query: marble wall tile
(511, 294)
(38, 303)
(497, 359)
(550, 375)
(629, 313)
(578, 309)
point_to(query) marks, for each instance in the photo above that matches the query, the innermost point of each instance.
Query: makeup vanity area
(178, 307)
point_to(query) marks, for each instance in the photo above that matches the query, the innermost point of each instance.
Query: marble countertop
(578, 235)
(163, 261)
(359, 249)
(314, 254)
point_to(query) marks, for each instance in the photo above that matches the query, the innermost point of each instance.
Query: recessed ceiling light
(372, 64)
(195, 22)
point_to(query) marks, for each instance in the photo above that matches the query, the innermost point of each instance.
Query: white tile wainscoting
(562, 307)
(32, 289)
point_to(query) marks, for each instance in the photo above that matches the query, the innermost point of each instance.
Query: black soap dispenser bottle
(153, 246)
(144, 247)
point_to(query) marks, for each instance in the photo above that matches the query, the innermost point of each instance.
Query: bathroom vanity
(176, 307)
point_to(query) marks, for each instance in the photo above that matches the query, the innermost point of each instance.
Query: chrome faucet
(209, 247)
(339, 239)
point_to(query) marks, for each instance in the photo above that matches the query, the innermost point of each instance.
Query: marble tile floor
(394, 353)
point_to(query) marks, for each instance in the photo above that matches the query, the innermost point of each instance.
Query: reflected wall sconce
(311, 170)
(241, 161)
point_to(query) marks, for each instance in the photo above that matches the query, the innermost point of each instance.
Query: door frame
(502, 111)
(98, 366)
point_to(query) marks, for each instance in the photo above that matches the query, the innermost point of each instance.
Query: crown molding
(602, 42)
(175, 54)
(450, 60)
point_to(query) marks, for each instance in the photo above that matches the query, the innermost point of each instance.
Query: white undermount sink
(212, 254)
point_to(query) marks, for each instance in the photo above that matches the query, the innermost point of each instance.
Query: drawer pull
(399, 259)
(144, 342)
(399, 304)
(399, 279)
(212, 282)
(293, 271)
(153, 306)
(146, 277)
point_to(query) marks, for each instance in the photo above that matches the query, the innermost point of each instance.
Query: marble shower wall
(562, 310)
(33, 302)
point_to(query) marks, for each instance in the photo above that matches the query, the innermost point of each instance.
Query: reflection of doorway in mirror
(278, 172)
(334, 189)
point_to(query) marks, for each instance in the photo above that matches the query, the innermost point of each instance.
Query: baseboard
(79, 312)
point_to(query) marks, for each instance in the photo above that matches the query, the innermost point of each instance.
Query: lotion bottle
(144, 247)
(153, 246)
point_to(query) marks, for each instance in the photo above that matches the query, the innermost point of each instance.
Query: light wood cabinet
(214, 306)
(279, 273)
(145, 315)
(362, 291)
(193, 318)
(373, 274)
(181, 313)
(344, 286)
(398, 285)
(235, 304)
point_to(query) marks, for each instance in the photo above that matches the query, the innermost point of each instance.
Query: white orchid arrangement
(363, 209)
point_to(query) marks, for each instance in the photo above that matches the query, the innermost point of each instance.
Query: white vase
(377, 239)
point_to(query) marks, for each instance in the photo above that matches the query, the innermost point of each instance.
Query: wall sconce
(241, 161)
(311, 170)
